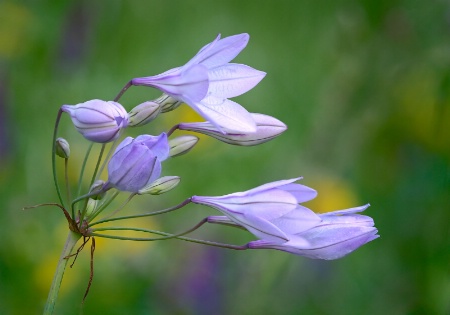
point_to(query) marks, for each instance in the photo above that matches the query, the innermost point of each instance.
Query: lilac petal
(271, 185)
(261, 228)
(351, 210)
(191, 82)
(220, 52)
(295, 241)
(298, 220)
(227, 114)
(232, 80)
(124, 143)
(301, 192)
(157, 144)
(337, 242)
(136, 158)
(267, 205)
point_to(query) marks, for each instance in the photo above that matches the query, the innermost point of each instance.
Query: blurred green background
(364, 87)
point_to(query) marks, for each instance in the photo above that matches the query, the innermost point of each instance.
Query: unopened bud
(97, 120)
(97, 186)
(267, 128)
(167, 103)
(182, 145)
(62, 148)
(143, 113)
(91, 205)
(160, 186)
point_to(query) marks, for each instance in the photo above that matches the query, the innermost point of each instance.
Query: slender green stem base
(72, 239)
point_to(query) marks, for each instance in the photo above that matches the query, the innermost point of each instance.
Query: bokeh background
(364, 87)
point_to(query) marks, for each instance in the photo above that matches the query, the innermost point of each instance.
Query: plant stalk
(72, 239)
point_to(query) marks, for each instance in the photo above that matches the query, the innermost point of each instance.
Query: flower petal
(220, 51)
(180, 83)
(231, 80)
(301, 192)
(298, 220)
(225, 114)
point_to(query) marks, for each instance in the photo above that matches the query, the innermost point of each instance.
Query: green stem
(83, 166)
(55, 178)
(169, 236)
(184, 203)
(66, 177)
(72, 239)
(123, 90)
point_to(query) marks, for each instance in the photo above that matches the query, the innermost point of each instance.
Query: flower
(137, 162)
(97, 120)
(267, 128)
(207, 81)
(271, 212)
(339, 233)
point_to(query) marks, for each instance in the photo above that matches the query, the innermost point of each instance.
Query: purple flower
(339, 233)
(267, 128)
(137, 162)
(271, 211)
(98, 121)
(207, 81)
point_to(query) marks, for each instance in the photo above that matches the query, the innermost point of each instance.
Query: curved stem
(124, 89)
(148, 214)
(169, 236)
(105, 161)
(66, 177)
(187, 239)
(172, 130)
(94, 193)
(103, 206)
(121, 206)
(83, 166)
(72, 239)
(55, 178)
(98, 164)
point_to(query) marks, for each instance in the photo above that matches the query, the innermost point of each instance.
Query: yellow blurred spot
(422, 114)
(14, 22)
(333, 194)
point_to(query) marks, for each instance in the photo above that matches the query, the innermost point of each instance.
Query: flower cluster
(272, 212)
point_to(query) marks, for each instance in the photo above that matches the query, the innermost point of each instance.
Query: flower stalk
(71, 241)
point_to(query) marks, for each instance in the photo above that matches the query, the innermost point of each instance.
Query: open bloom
(137, 162)
(267, 128)
(98, 121)
(271, 211)
(207, 81)
(339, 233)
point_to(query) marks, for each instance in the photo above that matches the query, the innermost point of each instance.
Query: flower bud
(137, 162)
(98, 186)
(160, 186)
(143, 113)
(267, 128)
(182, 145)
(91, 205)
(98, 121)
(62, 148)
(167, 103)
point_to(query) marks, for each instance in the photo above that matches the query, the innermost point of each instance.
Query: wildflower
(98, 121)
(267, 128)
(270, 212)
(207, 81)
(339, 233)
(137, 162)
